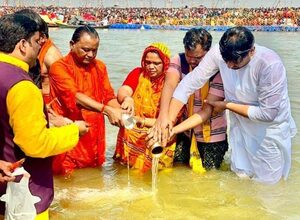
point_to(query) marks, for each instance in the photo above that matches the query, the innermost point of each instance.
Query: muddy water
(103, 193)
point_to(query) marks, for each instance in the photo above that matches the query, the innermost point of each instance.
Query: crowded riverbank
(111, 190)
(260, 19)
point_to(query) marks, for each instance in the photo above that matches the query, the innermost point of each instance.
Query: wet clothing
(261, 143)
(131, 145)
(217, 123)
(212, 154)
(66, 79)
(24, 132)
(132, 142)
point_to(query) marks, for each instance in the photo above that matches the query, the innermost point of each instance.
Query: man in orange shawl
(140, 94)
(80, 89)
(48, 54)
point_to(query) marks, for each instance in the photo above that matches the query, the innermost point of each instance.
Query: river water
(104, 193)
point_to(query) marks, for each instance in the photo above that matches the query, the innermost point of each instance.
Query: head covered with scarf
(163, 52)
(146, 98)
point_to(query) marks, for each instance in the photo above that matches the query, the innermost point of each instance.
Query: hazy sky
(158, 3)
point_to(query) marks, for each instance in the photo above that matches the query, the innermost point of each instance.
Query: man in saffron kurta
(80, 89)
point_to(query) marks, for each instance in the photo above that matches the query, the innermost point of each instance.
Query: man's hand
(219, 106)
(172, 134)
(162, 130)
(83, 127)
(58, 120)
(5, 174)
(159, 133)
(114, 115)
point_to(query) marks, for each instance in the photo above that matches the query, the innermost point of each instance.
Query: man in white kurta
(255, 85)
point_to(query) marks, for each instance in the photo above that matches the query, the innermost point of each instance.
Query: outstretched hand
(159, 133)
(114, 115)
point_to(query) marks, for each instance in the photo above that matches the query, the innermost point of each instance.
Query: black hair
(13, 28)
(84, 29)
(197, 36)
(236, 43)
(43, 27)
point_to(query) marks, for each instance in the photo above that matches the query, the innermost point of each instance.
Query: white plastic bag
(18, 198)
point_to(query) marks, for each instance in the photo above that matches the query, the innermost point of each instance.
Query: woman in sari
(140, 94)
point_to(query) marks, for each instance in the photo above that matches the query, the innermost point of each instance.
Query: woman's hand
(128, 105)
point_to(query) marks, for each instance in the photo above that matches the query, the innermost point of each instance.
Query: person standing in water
(140, 95)
(80, 88)
(255, 85)
(209, 129)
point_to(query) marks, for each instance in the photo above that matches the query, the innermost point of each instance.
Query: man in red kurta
(80, 90)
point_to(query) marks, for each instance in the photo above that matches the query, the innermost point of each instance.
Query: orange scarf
(44, 50)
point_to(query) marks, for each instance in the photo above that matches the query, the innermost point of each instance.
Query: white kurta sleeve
(197, 78)
(272, 87)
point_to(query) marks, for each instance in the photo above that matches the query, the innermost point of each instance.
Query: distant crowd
(199, 16)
